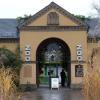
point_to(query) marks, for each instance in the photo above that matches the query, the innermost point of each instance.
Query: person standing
(63, 78)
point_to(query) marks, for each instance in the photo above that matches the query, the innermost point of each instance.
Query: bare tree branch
(96, 7)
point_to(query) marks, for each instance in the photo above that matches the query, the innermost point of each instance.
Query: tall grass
(91, 85)
(91, 81)
(7, 86)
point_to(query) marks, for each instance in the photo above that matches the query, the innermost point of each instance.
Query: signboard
(79, 52)
(79, 71)
(54, 83)
(27, 53)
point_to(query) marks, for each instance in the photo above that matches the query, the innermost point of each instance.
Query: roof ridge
(7, 18)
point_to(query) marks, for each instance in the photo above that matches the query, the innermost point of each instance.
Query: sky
(16, 8)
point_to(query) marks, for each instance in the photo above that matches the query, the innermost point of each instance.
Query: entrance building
(50, 40)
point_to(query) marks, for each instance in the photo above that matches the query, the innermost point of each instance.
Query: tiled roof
(8, 28)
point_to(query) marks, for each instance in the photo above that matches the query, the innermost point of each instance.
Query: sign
(54, 83)
(79, 52)
(79, 71)
(27, 53)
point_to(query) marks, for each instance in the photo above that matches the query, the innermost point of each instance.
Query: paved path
(46, 94)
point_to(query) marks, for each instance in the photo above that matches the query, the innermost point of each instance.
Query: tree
(82, 17)
(24, 18)
(96, 7)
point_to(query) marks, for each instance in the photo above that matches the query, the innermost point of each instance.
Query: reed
(91, 80)
(7, 86)
(91, 85)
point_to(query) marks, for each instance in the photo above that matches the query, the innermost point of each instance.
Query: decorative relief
(53, 18)
(53, 28)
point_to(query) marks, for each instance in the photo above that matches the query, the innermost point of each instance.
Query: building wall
(34, 38)
(28, 74)
(76, 82)
(9, 45)
(71, 38)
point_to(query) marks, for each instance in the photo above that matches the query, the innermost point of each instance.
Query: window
(53, 18)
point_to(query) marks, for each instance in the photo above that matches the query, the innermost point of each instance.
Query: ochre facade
(9, 45)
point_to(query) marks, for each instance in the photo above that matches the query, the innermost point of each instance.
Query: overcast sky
(16, 8)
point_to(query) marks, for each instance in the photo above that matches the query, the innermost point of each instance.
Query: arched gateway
(52, 56)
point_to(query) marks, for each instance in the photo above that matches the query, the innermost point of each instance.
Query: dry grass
(7, 86)
(91, 85)
(91, 81)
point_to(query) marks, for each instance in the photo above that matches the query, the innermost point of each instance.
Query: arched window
(53, 18)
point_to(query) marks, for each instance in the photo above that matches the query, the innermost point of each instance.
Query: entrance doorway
(52, 56)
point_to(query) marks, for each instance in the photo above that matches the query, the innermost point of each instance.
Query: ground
(47, 94)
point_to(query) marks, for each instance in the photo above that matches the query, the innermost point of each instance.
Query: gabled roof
(52, 5)
(8, 28)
